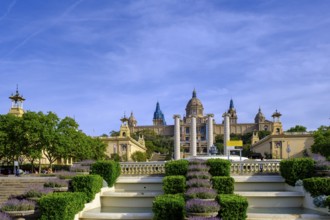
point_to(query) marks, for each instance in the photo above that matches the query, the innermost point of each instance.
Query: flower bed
(199, 183)
(200, 193)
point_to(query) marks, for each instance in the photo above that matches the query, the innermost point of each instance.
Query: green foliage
(297, 128)
(115, 157)
(174, 184)
(219, 167)
(223, 184)
(61, 206)
(109, 170)
(322, 141)
(232, 206)
(168, 207)
(317, 186)
(176, 167)
(89, 184)
(296, 169)
(327, 202)
(139, 156)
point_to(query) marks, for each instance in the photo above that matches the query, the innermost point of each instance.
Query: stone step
(273, 198)
(116, 213)
(144, 183)
(129, 199)
(273, 213)
(259, 183)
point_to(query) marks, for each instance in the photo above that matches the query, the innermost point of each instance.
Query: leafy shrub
(201, 206)
(219, 167)
(139, 156)
(200, 193)
(232, 206)
(176, 167)
(174, 184)
(327, 202)
(317, 186)
(89, 184)
(61, 206)
(168, 207)
(109, 170)
(199, 183)
(198, 175)
(223, 184)
(296, 168)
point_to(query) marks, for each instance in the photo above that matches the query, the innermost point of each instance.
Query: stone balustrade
(142, 168)
(237, 167)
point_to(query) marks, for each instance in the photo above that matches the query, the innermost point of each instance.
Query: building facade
(199, 129)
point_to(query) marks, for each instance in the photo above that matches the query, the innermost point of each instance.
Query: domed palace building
(196, 129)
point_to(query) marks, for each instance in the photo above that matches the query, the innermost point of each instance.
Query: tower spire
(194, 93)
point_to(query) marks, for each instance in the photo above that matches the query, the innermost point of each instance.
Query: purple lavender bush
(198, 175)
(56, 183)
(203, 218)
(201, 206)
(18, 205)
(198, 183)
(200, 193)
(198, 167)
(36, 192)
(4, 216)
(197, 161)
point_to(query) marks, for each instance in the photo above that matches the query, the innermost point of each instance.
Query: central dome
(194, 106)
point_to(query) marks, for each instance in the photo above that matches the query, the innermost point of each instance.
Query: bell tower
(277, 125)
(16, 104)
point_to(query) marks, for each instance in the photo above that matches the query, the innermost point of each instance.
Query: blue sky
(96, 60)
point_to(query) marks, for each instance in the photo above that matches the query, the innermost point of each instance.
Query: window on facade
(187, 130)
(266, 128)
(187, 138)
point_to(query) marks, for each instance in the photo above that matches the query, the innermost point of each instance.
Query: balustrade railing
(237, 167)
(142, 168)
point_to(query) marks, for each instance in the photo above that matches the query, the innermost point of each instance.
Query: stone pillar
(176, 137)
(209, 131)
(193, 137)
(226, 132)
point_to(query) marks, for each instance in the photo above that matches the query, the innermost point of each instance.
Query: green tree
(139, 156)
(322, 141)
(297, 128)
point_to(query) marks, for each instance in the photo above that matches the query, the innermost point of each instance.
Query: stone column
(176, 137)
(226, 132)
(193, 137)
(209, 131)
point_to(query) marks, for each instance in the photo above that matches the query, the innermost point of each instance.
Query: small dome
(194, 106)
(259, 117)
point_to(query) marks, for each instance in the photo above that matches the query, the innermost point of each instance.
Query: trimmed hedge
(317, 186)
(174, 184)
(296, 169)
(327, 202)
(89, 184)
(219, 167)
(61, 206)
(168, 207)
(223, 184)
(108, 169)
(232, 206)
(176, 167)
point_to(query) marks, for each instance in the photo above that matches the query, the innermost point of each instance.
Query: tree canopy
(36, 134)
(322, 141)
(297, 128)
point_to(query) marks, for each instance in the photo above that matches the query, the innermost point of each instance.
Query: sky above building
(98, 60)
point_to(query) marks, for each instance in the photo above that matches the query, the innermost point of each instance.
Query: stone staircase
(270, 198)
(158, 157)
(130, 198)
